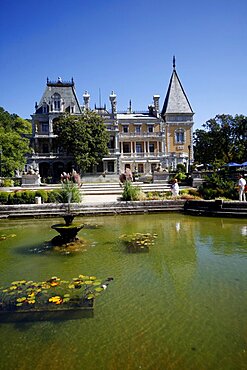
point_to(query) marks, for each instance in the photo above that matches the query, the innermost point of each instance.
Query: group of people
(126, 176)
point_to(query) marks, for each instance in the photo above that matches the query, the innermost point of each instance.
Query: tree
(223, 140)
(14, 145)
(84, 137)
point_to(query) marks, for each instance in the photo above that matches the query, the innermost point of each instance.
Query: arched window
(56, 102)
(179, 136)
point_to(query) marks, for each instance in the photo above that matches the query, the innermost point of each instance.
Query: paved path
(100, 198)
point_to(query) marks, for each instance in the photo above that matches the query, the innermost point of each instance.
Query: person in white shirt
(175, 188)
(241, 188)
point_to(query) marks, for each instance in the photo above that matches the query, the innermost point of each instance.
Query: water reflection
(243, 230)
(222, 236)
(161, 311)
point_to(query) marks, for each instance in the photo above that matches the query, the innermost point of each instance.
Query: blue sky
(125, 46)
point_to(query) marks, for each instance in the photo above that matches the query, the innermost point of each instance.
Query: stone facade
(142, 141)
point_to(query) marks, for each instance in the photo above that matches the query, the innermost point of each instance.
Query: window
(138, 129)
(150, 128)
(111, 144)
(179, 136)
(110, 166)
(125, 129)
(45, 148)
(56, 102)
(151, 147)
(139, 148)
(44, 128)
(44, 108)
(126, 147)
(140, 168)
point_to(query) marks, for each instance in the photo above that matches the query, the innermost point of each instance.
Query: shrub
(70, 193)
(24, 197)
(130, 192)
(216, 186)
(53, 196)
(7, 183)
(4, 197)
(181, 168)
(43, 194)
(193, 192)
(180, 176)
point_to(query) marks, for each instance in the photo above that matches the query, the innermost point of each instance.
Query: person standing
(241, 188)
(175, 188)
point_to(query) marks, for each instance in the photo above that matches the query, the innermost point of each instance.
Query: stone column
(117, 143)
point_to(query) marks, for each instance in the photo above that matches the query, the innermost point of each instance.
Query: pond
(182, 305)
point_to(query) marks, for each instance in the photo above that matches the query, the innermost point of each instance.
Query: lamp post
(189, 148)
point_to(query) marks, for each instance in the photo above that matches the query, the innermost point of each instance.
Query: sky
(125, 46)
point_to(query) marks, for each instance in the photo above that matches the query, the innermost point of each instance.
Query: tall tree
(13, 144)
(84, 137)
(223, 139)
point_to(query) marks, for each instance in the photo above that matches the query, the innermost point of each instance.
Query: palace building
(142, 141)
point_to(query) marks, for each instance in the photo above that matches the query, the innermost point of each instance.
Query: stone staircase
(115, 188)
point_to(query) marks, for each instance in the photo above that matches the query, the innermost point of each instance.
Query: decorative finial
(174, 62)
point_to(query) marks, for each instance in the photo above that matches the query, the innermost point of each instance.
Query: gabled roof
(176, 100)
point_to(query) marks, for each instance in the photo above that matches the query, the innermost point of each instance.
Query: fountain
(68, 231)
(67, 240)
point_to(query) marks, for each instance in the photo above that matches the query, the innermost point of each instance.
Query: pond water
(181, 306)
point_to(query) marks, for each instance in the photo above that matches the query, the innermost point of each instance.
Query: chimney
(86, 98)
(113, 100)
(156, 99)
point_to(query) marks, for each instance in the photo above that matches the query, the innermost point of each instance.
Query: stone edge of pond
(86, 209)
(215, 208)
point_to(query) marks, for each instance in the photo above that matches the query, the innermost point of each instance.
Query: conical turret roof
(176, 100)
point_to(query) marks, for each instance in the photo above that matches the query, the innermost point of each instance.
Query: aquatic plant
(130, 192)
(138, 241)
(70, 192)
(54, 293)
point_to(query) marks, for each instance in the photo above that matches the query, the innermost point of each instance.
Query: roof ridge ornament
(174, 62)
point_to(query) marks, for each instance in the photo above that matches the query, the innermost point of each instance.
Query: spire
(130, 107)
(176, 101)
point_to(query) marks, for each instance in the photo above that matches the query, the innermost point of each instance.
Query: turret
(113, 100)
(86, 98)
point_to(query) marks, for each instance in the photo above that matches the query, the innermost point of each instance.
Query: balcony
(142, 155)
(44, 135)
(141, 136)
(47, 156)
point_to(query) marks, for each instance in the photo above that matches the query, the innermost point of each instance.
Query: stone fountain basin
(67, 232)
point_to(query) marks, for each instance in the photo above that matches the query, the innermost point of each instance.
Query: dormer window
(44, 108)
(150, 128)
(179, 136)
(56, 102)
(125, 129)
